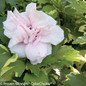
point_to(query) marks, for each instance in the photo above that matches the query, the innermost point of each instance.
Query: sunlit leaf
(76, 80)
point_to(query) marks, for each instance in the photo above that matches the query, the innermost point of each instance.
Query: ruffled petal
(37, 53)
(22, 17)
(8, 33)
(13, 20)
(8, 25)
(38, 18)
(31, 6)
(55, 35)
(19, 49)
(18, 37)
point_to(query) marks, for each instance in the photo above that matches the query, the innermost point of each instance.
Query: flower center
(32, 34)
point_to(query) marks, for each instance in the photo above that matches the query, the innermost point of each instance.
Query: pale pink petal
(23, 19)
(24, 14)
(9, 29)
(14, 41)
(19, 49)
(8, 33)
(55, 36)
(36, 53)
(38, 18)
(31, 6)
(13, 20)
(10, 25)
(18, 37)
(10, 15)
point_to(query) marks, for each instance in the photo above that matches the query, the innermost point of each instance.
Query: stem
(59, 3)
(55, 6)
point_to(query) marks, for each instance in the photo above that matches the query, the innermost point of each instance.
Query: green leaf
(4, 55)
(56, 3)
(14, 69)
(12, 2)
(34, 0)
(18, 68)
(79, 65)
(70, 11)
(50, 10)
(83, 53)
(3, 58)
(82, 28)
(7, 77)
(79, 6)
(68, 36)
(3, 38)
(11, 67)
(75, 80)
(1, 21)
(31, 77)
(65, 54)
(4, 70)
(83, 69)
(11, 60)
(3, 49)
(69, 54)
(2, 5)
(61, 63)
(43, 1)
(80, 40)
(33, 68)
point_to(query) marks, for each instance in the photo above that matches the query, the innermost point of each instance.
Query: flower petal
(9, 26)
(13, 20)
(19, 49)
(23, 19)
(37, 53)
(8, 33)
(55, 37)
(38, 18)
(18, 37)
(30, 6)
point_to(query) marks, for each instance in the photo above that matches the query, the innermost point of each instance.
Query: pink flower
(31, 33)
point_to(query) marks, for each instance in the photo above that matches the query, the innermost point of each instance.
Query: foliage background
(69, 56)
